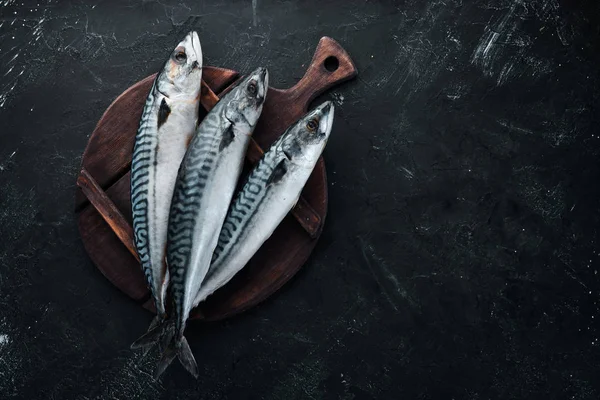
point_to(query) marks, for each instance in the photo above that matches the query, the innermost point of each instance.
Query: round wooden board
(107, 158)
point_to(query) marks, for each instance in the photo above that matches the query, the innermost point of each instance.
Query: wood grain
(106, 163)
(107, 209)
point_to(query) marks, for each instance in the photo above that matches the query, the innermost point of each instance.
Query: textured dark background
(460, 255)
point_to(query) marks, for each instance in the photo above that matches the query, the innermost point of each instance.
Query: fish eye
(312, 125)
(180, 56)
(252, 88)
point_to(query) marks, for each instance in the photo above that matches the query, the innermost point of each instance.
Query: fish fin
(163, 112)
(228, 137)
(177, 347)
(186, 358)
(155, 322)
(166, 337)
(278, 172)
(168, 356)
(152, 335)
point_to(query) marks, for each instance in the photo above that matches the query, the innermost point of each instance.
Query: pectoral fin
(163, 112)
(228, 137)
(278, 172)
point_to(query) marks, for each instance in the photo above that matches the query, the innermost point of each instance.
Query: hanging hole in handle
(331, 63)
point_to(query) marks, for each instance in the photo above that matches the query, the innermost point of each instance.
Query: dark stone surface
(460, 255)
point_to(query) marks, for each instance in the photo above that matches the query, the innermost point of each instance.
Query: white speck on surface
(9, 70)
(408, 173)
(338, 98)
(3, 166)
(504, 49)
(504, 74)
(11, 358)
(485, 50)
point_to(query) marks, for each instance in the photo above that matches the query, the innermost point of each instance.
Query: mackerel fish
(205, 185)
(167, 125)
(269, 193)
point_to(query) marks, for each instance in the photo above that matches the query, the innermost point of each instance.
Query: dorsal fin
(163, 112)
(278, 172)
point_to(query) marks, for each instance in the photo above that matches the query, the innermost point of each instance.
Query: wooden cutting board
(103, 199)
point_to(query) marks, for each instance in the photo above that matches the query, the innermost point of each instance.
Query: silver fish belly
(205, 184)
(269, 193)
(168, 122)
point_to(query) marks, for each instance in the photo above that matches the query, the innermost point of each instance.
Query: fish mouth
(197, 49)
(261, 75)
(265, 78)
(264, 75)
(326, 110)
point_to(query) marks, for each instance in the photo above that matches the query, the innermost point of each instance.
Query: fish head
(182, 73)
(248, 98)
(306, 139)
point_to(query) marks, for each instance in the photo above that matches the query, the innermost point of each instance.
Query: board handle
(107, 209)
(329, 66)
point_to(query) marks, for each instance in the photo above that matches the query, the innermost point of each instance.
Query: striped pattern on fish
(198, 172)
(269, 193)
(245, 207)
(144, 158)
(205, 184)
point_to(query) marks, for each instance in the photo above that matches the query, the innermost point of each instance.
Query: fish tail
(152, 336)
(186, 358)
(179, 347)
